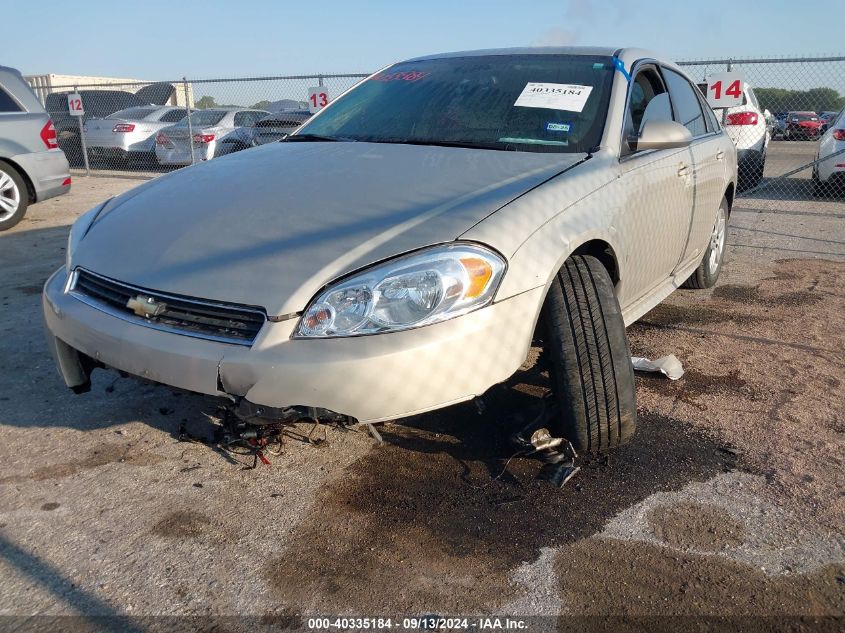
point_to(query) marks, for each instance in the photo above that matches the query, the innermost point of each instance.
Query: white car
(748, 128)
(208, 128)
(130, 133)
(829, 173)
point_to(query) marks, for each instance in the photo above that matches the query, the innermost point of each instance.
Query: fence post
(82, 142)
(190, 127)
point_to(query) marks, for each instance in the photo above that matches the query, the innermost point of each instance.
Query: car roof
(14, 83)
(627, 55)
(526, 50)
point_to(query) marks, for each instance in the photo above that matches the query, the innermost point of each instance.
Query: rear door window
(7, 103)
(686, 106)
(249, 118)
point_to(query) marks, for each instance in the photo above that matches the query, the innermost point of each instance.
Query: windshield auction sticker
(570, 97)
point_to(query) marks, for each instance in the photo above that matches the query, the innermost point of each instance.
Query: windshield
(804, 117)
(539, 103)
(203, 118)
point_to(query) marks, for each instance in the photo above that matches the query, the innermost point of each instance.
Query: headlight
(78, 231)
(425, 287)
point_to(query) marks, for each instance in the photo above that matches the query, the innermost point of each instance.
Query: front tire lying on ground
(708, 270)
(590, 362)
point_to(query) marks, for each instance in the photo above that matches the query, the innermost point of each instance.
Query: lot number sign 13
(318, 98)
(724, 90)
(74, 104)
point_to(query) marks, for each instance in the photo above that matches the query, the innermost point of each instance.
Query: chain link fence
(789, 129)
(144, 127)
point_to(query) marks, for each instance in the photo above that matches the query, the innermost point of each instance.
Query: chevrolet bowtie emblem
(145, 306)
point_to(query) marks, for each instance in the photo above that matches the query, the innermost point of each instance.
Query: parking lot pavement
(728, 501)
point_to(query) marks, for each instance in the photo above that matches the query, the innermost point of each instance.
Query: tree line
(814, 100)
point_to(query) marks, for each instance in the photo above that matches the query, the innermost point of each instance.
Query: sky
(155, 39)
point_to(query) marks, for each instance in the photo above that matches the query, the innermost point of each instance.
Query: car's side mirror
(660, 135)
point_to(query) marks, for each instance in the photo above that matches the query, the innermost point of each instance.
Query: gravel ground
(728, 502)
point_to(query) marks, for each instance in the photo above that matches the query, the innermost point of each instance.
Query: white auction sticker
(570, 97)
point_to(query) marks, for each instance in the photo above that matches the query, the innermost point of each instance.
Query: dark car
(278, 125)
(97, 104)
(802, 125)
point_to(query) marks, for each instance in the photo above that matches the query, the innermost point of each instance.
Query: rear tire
(14, 197)
(590, 361)
(708, 270)
(820, 189)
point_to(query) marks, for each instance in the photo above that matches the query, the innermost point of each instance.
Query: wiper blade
(440, 143)
(313, 137)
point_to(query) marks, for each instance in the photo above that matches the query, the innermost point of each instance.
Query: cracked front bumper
(370, 378)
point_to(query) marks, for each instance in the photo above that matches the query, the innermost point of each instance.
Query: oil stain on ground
(668, 314)
(694, 385)
(420, 523)
(102, 455)
(753, 295)
(182, 524)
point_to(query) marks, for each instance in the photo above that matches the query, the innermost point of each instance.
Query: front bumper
(370, 378)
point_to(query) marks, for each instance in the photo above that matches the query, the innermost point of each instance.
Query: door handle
(720, 155)
(683, 170)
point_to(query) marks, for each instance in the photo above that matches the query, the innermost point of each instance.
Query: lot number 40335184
(724, 90)
(318, 98)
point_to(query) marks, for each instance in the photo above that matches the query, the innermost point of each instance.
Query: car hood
(271, 226)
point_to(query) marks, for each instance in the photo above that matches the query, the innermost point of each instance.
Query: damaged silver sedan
(402, 251)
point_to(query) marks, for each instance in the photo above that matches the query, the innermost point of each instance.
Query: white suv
(748, 128)
(829, 173)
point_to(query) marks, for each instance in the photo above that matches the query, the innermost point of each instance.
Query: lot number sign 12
(724, 90)
(74, 104)
(318, 98)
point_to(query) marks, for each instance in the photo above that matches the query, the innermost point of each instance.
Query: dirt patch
(773, 393)
(425, 508)
(105, 454)
(648, 580)
(182, 524)
(697, 527)
(33, 289)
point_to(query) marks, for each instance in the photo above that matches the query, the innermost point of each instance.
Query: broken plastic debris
(669, 366)
(541, 440)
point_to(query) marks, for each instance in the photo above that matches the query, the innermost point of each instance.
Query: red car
(806, 125)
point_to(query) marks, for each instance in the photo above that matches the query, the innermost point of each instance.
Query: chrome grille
(222, 322)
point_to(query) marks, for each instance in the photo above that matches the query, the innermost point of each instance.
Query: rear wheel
(708, 270)
(590, 362)
(14, 197)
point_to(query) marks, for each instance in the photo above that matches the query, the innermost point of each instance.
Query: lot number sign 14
(724, 90)
(74, 104)
(318, 98)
